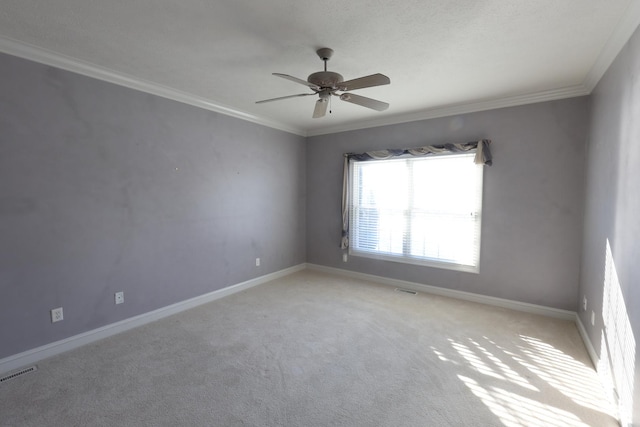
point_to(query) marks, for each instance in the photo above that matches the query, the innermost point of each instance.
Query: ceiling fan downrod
(325, 54)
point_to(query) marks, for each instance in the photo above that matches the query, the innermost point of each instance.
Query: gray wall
(532, 207)
(612, 206)
(106, 189)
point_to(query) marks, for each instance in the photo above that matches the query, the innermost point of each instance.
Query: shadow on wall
(530, 383)
(618, 346)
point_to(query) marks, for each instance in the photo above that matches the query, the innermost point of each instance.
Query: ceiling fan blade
(321, 108)
(297, 80)
(367, 81)
(284, 97)
(364, 101)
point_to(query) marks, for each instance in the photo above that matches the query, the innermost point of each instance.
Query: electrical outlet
(584, 303)
(345, 257)
(593, 317)
(119, 297)
(257, 262)
(56, 315)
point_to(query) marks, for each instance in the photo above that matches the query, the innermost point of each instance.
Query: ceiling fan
(327, 83)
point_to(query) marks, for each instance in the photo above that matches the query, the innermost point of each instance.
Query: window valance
(483, 153)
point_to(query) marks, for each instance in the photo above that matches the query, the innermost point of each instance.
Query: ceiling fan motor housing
(325, 79)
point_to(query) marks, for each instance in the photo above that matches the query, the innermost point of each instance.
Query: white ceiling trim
(618, 38)
(453, 110)
(48, 57)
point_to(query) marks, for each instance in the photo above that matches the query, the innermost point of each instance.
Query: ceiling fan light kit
(327, 83)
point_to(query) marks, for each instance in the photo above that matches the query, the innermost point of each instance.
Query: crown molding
(48, 57)
(456, 109)
(618, 38)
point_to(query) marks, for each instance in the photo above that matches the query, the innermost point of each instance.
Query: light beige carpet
(319, 350)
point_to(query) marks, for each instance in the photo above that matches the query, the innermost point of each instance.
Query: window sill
(416, 261)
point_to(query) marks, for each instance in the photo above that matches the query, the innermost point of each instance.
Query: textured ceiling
(440, 55)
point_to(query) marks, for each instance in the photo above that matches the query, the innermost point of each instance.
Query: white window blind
(420, 210)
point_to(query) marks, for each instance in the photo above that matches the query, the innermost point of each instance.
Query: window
(418, 210)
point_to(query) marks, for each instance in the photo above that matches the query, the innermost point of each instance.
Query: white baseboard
(467, 296)
(603, 369)
(35, 355)
(587, 343)
(482, 299)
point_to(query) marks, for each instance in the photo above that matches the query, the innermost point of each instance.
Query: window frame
(405, 258)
